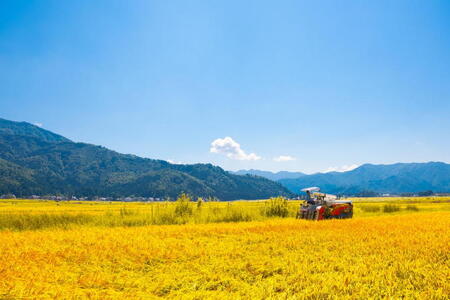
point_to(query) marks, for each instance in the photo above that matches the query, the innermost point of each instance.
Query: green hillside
(37, 161)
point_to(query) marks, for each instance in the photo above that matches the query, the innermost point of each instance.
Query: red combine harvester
(320, 206)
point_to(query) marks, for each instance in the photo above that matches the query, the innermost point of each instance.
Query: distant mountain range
(36, 161)
(270, 175)
(395, 178)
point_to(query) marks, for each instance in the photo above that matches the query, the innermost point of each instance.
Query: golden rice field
(112, 251)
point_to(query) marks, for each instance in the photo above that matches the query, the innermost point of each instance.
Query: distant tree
(426, 193)
(367, 193)
(406, 194)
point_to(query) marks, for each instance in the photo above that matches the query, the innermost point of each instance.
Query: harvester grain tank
(321, 206)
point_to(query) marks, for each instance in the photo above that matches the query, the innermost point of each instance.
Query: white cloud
(38, 124)
(173, 162)
(231, 149)
(283, 158)
(344, 168)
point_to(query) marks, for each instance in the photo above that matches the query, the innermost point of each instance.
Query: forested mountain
(270, 175)
(394, 178)
(37, 161)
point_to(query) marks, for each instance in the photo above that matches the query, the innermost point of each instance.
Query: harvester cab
(320, 206)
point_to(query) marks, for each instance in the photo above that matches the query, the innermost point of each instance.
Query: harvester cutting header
(320, 206)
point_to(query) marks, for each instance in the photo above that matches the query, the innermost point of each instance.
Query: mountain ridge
(37, 161)
(270, 175)
(384, 178)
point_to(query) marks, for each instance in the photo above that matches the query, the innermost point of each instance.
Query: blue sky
(323, 84)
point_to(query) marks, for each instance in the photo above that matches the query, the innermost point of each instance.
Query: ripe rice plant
(412, 207)
(21, 215)
(370, 208)
(361, 258)
(277, 207)
(183, 206)
(389, 208)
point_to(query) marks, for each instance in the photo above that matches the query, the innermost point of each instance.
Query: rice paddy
(97, 250)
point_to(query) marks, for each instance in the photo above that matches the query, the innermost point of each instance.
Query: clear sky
(273, 85)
